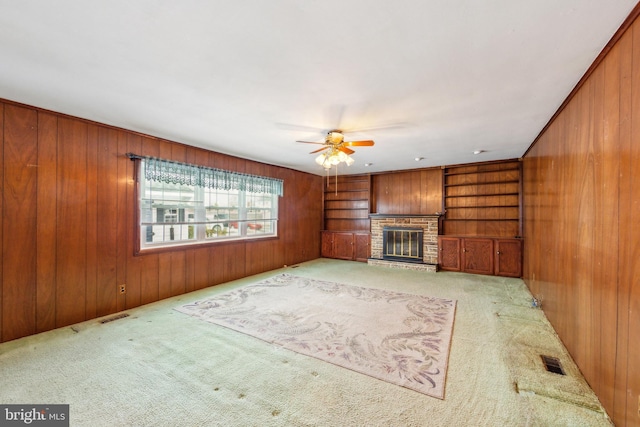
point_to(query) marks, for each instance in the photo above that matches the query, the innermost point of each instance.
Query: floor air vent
(116, 317)
(552, 364)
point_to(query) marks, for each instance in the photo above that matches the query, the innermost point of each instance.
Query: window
(184, 204)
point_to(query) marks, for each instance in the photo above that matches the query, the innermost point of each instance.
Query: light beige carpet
(159, 367)
(393, 336)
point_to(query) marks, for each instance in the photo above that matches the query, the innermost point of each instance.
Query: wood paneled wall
(67, 215)
(411, 192)
(581, 231)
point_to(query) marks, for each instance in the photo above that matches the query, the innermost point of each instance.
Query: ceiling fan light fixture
(335, 137)
(336, 150)
(334, 158)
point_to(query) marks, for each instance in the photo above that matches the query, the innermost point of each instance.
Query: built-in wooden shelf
(476, 171)
(467, 184)
(482, 207)
(471, 193)
(348, 198)
(481, 195)
(483, 219)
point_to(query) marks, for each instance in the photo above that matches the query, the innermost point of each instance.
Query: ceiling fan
(338, 149)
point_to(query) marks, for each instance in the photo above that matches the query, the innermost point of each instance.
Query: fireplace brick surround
(429, 225)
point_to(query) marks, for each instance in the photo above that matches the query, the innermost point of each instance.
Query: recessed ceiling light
(368, 164)
(478, 151)
(417, 159)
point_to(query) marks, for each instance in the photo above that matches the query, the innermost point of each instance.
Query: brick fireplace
(427, 223)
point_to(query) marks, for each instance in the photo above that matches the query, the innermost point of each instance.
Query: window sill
(200, 244)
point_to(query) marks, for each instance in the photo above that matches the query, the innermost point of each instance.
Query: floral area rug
(396, 337)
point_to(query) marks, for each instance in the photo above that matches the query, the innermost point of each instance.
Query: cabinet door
(343, 247)
(362, 251)
(508, 257)
(477, 255)
(449, 253)
(327, 244)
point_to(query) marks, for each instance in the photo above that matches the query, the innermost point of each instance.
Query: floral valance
(219, 179)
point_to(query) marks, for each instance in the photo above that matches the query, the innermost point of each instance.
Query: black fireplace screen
(402, 244)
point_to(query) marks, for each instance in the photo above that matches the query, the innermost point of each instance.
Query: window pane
(174, 214)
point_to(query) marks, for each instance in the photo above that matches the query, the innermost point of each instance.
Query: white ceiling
(428, 78)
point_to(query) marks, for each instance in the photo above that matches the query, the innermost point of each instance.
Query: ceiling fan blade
(309, 142)
(336, 114)
(346, 150)
(367, 143)
(399, 125)
(318, 150)
(300, 128)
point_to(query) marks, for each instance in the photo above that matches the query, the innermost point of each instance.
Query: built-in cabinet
(482, 223)
(508, 257)
(449, 253)
(481, 255)
(346, 218)
(479, 231)
(352, 246)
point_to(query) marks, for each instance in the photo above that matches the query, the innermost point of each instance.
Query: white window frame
(190, 222)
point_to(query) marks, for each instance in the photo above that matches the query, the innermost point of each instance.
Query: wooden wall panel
(133, 296)
(413, 192)
(216, 272)
(201, 267)
(287, 239)
(607, 115)
(1, 209)
(71, 241)
(581, 236)
(628, 265)
(234, 261)
(123, 220)
(178, 262)
(47, 222)
(305, 196)
(627, 214)
(19, 221)
(68, 223)
(106, 217)
(92, 218)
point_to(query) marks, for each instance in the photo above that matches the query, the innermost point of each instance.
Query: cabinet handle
(498, 252)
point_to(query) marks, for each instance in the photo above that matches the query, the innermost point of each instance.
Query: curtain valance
(219, 179)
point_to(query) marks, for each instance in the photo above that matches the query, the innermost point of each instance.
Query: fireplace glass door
(402, 244)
